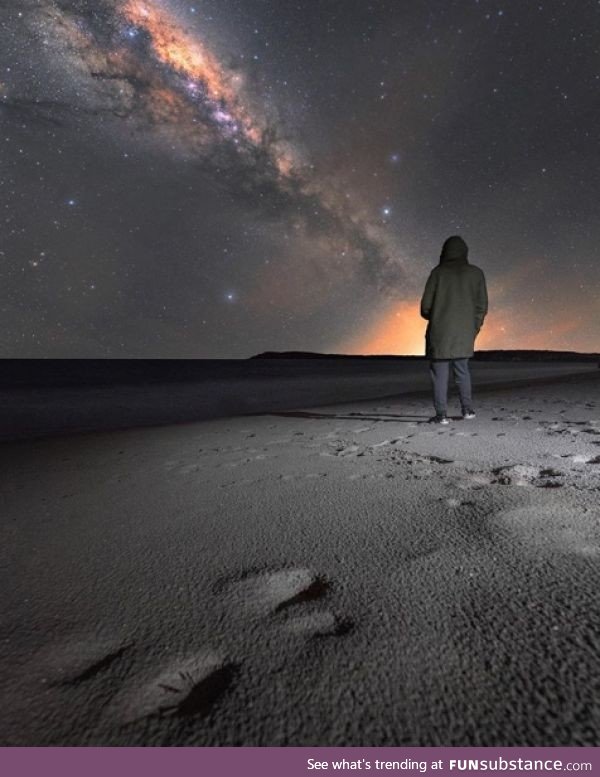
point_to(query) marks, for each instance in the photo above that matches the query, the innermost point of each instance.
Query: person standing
(455, 304)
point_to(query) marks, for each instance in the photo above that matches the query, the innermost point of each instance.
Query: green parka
(454, 302)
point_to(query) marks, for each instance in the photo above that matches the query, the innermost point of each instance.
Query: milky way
(220, 178)
(138, 63)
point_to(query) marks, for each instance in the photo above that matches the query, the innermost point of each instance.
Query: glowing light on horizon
(400, 331)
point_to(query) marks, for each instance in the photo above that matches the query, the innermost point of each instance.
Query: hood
(454, 248)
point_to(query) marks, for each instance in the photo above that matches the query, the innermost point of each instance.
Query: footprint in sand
(579, 458)
(183, 687)
(591, 427)
(341, 449)
(320, 624)
(454, 502)
(264, 592)
(83, 667)
(80, 660)
(572, 428)
(582, 458)
(526, 475)
(553, 528)
(385, 443)
(189, 685)
(295, 594)
(474, 481)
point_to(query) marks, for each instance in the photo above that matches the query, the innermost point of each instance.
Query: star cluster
(214, 179)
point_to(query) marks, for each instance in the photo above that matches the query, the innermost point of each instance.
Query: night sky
(218, 178)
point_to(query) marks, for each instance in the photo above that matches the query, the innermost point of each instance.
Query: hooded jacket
(454, 302)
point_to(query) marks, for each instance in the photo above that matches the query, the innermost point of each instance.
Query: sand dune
(331, 575)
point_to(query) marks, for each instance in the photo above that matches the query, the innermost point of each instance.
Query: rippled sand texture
(341, 575)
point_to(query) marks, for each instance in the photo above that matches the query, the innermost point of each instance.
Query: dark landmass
(535, 356)
(313, 355)
(33, 373)
(490, 356)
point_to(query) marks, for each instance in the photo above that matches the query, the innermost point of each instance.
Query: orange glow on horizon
(401, 331)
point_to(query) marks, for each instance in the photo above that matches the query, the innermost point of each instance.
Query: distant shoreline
(49, 397)
(268, 366)
(498, 355)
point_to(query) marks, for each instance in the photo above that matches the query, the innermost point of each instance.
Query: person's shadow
(392, 418)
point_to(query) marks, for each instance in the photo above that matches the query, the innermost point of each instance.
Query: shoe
(468, 414)
(439, 419)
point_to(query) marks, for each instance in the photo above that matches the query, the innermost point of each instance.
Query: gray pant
(439, 369)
